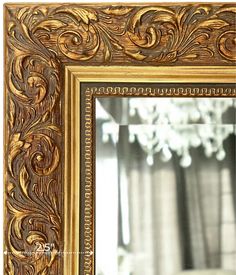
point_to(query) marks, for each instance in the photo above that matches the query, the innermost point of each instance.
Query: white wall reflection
(165, 191)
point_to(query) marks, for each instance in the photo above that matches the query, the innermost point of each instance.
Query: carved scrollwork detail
(33, 70)
(71, 44)
(43, 148)
(32, 204)
(155, 34)
(227, 45)
(82, 42)
(33, 152)
(164, 35)
(82, 33)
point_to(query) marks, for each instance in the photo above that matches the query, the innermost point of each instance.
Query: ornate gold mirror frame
(50, 50)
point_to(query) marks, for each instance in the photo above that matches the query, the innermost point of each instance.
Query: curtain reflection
(180, 218)
(164, 218)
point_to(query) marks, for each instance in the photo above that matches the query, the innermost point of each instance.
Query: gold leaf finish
(40, 39)
(24, 180)
(227, 45)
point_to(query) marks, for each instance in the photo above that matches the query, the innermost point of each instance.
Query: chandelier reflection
(170, 125)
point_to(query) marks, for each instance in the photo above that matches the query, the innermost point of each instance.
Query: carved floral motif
(155, 34)
(39, 39)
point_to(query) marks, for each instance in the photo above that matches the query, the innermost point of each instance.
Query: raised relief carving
(33, 175)
(155, 34)
(227, 45)
(170, 35)
(39, 40)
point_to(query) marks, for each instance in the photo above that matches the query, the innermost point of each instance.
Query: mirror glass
(165, 186)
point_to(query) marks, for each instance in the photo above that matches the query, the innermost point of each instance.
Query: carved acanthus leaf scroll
(152, 34)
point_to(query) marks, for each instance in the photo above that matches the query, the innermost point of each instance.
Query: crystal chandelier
(170, 125)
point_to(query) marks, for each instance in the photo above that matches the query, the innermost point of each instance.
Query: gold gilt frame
(50, 49)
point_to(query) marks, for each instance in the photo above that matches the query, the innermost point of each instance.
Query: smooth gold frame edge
(74, 76)
(71, 190)
(77, 177)
(174, 74)
(67, 191)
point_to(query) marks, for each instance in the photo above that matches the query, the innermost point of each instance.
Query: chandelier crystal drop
(170, 125)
